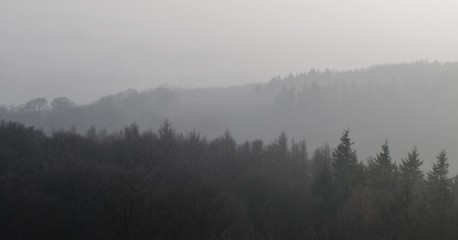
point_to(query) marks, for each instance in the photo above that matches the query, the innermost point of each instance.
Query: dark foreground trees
(166, 185)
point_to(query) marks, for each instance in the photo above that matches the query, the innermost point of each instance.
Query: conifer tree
(322, 188)
(321, 171)
(299, 166)
(438, 193)
(282, 145)
(382, 171)
(382, 186)
(411, 176)
(347, 169)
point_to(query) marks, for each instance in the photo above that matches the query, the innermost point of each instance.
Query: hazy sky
(113, 44)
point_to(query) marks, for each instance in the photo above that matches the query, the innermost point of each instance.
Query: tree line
(163, 184)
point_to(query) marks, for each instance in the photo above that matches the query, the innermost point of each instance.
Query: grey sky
(119, 44)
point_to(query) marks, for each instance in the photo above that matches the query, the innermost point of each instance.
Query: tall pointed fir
(382, 186)
(411, 177)
(410, 196)
(438, 194)
(347, 194)
(382, 171)
(347, 169)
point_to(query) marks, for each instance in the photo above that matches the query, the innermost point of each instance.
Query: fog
(407, 104)
(86, 49)
(220, 120)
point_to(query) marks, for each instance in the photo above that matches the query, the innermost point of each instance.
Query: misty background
(407, 104)
(215, 63)
(86, 49)
(253, 119)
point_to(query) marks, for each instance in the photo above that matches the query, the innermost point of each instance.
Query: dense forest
(163, 184)
(409, 104)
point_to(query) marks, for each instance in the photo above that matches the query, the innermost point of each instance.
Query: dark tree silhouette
(346, 167)
(135, 184)
(438, 194)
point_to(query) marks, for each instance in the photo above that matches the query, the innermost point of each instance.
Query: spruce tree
(299, 166)
(438, 193)
(322, 189)
(382, 171)
(322, 171)
(382, 186)
(411, 177)
(347, 170)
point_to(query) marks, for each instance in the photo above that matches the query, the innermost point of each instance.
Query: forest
(145, 184)
(228, 120)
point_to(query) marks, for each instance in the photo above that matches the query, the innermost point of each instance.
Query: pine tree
(382, 186)
(322, 178)
(439, 192)
(347, 169)
(382, 171)
(282, 146)
(299, 166)
(167, 142)
(411, 177)
(321, 171)
(322, 189)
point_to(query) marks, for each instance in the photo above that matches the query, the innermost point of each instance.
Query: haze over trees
(408, 104)
(70, 171)
(166, 120)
